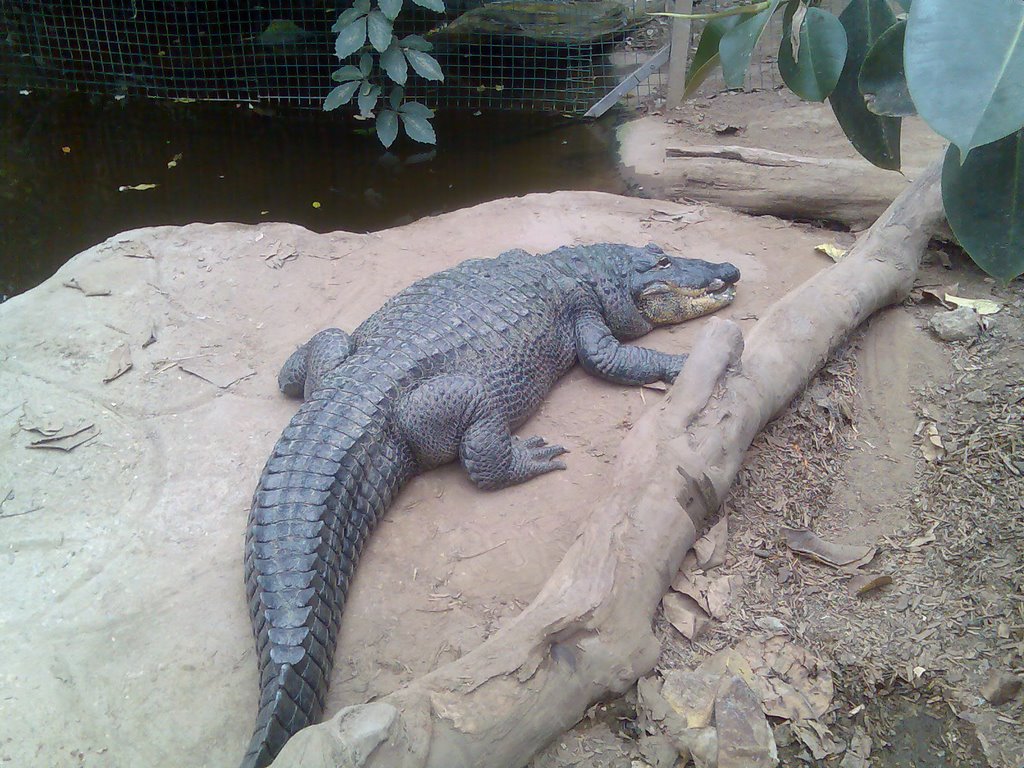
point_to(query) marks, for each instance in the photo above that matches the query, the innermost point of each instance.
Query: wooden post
(680, 55)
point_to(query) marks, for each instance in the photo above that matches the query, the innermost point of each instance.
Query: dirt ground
(126, 640)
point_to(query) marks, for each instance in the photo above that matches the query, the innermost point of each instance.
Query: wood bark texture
(762, 181)
(587, 635)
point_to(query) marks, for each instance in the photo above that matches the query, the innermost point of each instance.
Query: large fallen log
(588, 635)
(765, 182)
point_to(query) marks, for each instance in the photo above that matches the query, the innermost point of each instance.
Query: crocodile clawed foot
(537, 449)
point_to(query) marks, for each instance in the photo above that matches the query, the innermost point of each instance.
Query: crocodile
(444, 370)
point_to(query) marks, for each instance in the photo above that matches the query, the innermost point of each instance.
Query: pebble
(962, 324)
(977, 396)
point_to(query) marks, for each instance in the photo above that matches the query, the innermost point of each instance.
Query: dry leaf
(221, 371)
(931, 445)
(863, 583)
(817, 738)
(793, 683)
(67, 438)
(136, 187)
(87, 286)
(710, 548)
(120, 362)
(804, 542)
(833, 251)
(683, 613)
(981, 306)
(691, 693)
(677, 217)
(174, 160)
(745, 739)
(858, 753)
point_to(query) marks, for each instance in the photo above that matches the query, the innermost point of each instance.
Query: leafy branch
(960, 66)
(383, 64)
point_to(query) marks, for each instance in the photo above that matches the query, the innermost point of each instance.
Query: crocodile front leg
(454, 416)
(601, 354)
(305, 368)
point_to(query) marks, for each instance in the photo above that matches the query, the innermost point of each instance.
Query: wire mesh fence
(547, 55)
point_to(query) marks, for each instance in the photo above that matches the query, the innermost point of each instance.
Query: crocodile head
(669, 289)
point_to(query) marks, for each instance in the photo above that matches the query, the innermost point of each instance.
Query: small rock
(977, 396)
(962, 324)
(1000, 687)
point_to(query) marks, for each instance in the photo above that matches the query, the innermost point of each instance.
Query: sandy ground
(126, 637)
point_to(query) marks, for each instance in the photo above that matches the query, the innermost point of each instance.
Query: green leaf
(379, 28)
(351, 38)
(882, 79)
(341, 95)
(415, 109)
(416, 43)
(965, 68)
(822, 53)
(393, 62)
(346, 73)
(426, 66)
(738, 45)
(876, 138)
(706, 57)
(395, 99)
(391, 9)
(387, 127)
(367, 100)
(347, 17)
(984, 202)
(431, 5)
(418, 129)
(365, 64)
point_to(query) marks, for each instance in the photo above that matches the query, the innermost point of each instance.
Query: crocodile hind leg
(454, 416)
(305, 368)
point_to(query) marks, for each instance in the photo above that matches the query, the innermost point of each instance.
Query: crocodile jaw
(667, 304)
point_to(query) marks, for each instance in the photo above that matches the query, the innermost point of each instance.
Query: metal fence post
(680, 54)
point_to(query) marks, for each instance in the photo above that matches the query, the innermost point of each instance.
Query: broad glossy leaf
(341, 95)
(419, 129)
(387, 127)
(379, 29)
(814, 72)
(738, 45)
(984, 202)
(876, 138)
(417, 43)
(367, 100)
(431, 5)
(426, 66)
(395, 99)
(415, 109)
(965, 68)
(882, 79)
(348, 72)
(347, 17)
(706, 57)
(390, 8)
(393, 62)
(351, 38)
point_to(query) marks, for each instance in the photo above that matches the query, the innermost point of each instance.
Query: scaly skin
(444, 370)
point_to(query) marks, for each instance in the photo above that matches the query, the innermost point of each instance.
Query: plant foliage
(958, 64)
(381, 71)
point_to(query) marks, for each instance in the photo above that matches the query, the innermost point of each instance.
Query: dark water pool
(64, 157)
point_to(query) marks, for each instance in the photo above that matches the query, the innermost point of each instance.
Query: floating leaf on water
(173, 162)
(136, 187)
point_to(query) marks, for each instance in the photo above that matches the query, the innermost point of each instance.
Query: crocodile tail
(328, 480)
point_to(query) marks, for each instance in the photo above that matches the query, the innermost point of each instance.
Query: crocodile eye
(663, 263)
